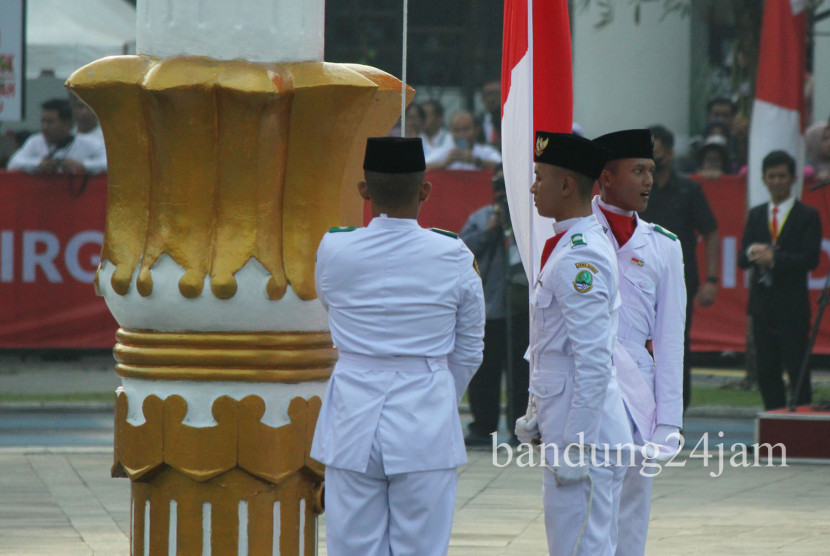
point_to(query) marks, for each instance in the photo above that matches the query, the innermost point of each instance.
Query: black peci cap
(570, 151)
(394, 155)
(628, 143)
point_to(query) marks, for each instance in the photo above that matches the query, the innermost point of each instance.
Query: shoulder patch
(336, 229)
(577, 240)
(445, 232)
(665, 232)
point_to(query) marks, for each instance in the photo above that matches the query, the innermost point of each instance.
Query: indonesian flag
(537, 94)
(778, 111)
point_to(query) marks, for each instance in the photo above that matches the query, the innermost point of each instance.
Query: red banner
(722, 327)
(51, 230)
(455, 195)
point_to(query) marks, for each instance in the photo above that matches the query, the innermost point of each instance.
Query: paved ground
(64, 503)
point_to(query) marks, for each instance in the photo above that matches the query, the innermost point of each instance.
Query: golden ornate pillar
(224, 173)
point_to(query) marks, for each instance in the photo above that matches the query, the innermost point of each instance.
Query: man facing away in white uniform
(406, 312)
(653, 308)
(575, 406)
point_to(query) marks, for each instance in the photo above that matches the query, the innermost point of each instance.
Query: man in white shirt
(406, 312)
(490, 118)
(434, 135)
(464, 153)
(55, 149)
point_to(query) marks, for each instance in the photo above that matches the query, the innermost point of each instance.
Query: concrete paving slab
(64, 502)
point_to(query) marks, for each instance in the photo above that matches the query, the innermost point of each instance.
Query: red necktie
(774, 224)
(549, 245)
(621, 226)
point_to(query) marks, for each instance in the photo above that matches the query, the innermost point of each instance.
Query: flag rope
(403, 67)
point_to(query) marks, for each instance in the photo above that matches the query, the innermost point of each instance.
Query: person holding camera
(55, 149)
(489, 235)
(465, 153)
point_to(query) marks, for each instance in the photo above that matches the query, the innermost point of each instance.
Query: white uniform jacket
(406, 312)
(653, 308)
(573, 327)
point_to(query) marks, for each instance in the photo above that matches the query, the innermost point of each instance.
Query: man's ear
(363, 189)
(568, 187)
(604, 178)
(424, 191)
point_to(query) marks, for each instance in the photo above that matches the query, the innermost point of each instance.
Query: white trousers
(635, 506)
(566, 509)
(374, 514)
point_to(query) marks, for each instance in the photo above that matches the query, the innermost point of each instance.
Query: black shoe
(477, 441)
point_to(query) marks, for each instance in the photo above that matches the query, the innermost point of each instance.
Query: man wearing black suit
(781, 243)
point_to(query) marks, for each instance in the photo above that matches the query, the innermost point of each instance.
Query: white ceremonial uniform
(406, 312)
(573, 327)
(653, 308)
(85, 150)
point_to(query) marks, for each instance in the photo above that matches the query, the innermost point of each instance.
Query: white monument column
(232, 148)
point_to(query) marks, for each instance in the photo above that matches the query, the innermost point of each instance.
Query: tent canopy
(64, 35)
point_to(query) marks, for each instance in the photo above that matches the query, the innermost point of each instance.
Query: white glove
(573, 468)
(665, 442)
(527, 427)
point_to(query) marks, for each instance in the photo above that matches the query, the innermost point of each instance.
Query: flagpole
(403, 67)
(532, 129)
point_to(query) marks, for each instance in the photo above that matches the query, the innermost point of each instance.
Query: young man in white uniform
(406, 312)
(653, 308)
(574, 397)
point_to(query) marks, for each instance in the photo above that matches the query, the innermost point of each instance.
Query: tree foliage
(607, 9)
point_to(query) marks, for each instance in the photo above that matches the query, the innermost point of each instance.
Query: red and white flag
(778, 111)
(537, 94)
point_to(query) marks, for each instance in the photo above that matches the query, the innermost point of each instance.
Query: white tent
(64, 35)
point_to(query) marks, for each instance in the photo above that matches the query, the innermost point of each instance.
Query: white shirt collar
(613, 209)
(565, 225)
(783, 208)
(386, 222)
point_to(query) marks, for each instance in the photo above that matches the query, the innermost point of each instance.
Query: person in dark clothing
(488, 235)
(678, 204)
(781, 244)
